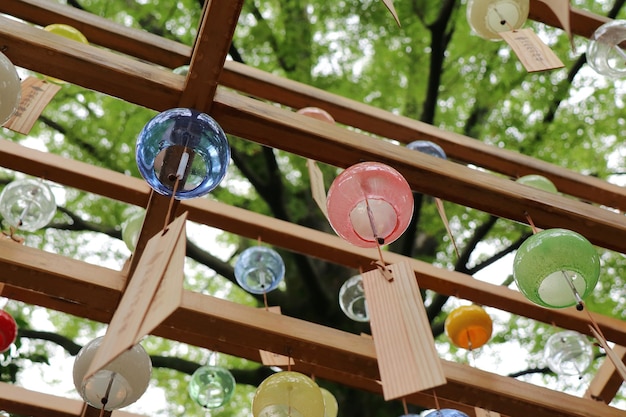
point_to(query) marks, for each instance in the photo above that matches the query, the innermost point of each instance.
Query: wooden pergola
(136, 67)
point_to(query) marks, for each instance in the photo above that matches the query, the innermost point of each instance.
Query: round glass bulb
(8, 331)
(259, 269)
(10, 89)
(488, 18)
(549, 263)
(185, 143)
(605, 52)
(331, 408)
(288, 394)
(211, 386)
(27, 204)
(126, 378)
(469, 327)
(316, 113)
(68, 32)
(369, 204)
(538, 181)
(182, 70)
(131, 229)
(568, 353)
(427, 147)
(352, 299)
(446, 412)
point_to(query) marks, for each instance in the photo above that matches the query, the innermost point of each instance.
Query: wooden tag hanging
(531, 51)
(480, 412)
(405, 348)
(153, 293)
(318, 190)
(271, 358)
(36, 94)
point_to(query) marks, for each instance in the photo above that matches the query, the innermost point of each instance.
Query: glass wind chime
(211, 386)
(605, 50)
(120, 383)
(28, 205)
(8, 330)
(10, 89)
(558, 268)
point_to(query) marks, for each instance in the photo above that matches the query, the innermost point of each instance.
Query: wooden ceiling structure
(136, 67)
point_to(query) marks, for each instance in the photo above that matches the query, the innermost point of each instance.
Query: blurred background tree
(430, 69)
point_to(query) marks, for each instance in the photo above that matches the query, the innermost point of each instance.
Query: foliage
(429, 69)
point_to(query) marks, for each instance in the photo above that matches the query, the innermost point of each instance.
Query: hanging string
(579, 301)
(531, 223)
(11, 235)
(289, 361)
(259, 242)
(502, 19)
(83, 411)
(436, 400)
(180, 174)
(471, 353)
(171, 204)
(105, 399)
(380, 264)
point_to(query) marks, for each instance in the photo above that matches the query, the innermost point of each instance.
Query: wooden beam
(282, 129)
(296, 238)
(255, 82)
(26, 402)
(403, 129)
(100, 31)
(219, 20)
(94, 68)
(331, 353)
(583, 23)
(285, 130)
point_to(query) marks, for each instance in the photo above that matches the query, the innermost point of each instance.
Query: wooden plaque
(405, 348)
(531, 51)
(36, 94)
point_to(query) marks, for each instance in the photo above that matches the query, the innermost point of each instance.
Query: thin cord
(171, 205)
(530, 222)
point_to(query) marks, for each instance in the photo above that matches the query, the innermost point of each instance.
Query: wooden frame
(94, 292)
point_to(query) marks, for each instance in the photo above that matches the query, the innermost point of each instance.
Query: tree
(434, 72)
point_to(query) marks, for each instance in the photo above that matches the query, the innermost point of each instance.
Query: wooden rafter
(293, 237)
(241, 330)
(258, 83)
(266, 124)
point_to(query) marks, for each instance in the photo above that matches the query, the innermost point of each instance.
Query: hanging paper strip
(317, 185)
(153, 293)
(405, 348)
